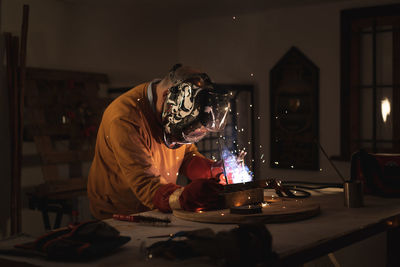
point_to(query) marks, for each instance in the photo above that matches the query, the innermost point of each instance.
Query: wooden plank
(396, 88)
(17, 145)
(59, 157)
(75, 166)
(65, 75)
(46, 129)
(354, 88)
(61, 186)
(43, 146)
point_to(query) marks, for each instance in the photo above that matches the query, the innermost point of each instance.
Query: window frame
(349, 97)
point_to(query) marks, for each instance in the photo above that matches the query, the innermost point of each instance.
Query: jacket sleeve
(131, 149)
(196, 166)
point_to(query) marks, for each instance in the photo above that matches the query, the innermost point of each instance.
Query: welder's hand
(201, 194)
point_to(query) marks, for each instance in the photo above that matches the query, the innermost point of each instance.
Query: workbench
(295, 243)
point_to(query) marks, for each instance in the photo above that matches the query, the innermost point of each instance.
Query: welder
(146, 139)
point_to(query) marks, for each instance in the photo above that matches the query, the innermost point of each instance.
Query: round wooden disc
(277, 212)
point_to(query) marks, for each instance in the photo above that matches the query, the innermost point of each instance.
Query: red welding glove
(203, 168)
(161, 198)
(200, 194)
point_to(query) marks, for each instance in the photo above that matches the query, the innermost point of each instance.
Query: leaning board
(286, 210)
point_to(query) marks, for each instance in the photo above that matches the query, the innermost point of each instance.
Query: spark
(177, 173)
(264, 204)
(251, 74)
(258, 117)
(263, 161)
(239, 172)
(231, 93)
(138, 99)
(320, 170)
(248, 197)
(237, 113)
(276, 163)
(262, 156)
(276, 117)
(251, 105)
(167, 173)
(222, 214)
(292, 166)
(249, 142)
(260, 146)
(234, 17)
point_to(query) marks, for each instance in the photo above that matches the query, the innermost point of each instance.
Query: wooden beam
(59, 75)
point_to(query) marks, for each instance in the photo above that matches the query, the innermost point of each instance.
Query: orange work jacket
(131, 160)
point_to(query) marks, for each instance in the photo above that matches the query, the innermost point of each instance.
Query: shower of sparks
(237, 172)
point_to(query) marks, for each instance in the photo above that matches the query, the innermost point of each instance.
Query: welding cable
(312, 185)
(287, 190)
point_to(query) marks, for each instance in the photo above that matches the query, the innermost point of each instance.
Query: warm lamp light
(385, 108)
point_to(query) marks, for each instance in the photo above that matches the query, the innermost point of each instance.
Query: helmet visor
(216, 109)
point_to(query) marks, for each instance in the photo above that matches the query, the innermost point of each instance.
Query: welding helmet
(192, 108)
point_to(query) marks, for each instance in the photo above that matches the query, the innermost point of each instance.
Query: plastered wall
(244, 47)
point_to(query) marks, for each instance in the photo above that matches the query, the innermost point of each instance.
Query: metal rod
(333, 165)
(374, 107)
(222, 159)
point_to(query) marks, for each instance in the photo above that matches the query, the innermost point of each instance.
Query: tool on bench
(143, 219)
